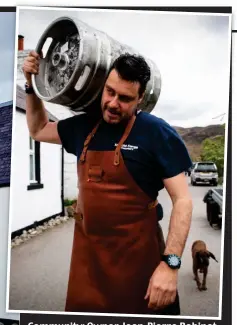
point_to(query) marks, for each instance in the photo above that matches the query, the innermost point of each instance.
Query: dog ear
(212, 256)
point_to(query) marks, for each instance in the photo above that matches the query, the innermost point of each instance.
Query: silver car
(204, 172)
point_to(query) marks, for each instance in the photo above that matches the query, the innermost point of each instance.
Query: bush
(68, 202)
(220, 181)
(213, 150)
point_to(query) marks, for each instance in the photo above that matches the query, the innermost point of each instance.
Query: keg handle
(39, 50)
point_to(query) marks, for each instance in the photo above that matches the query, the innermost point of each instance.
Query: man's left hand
(162, 287)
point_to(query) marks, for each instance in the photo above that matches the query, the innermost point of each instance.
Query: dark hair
(133, 67)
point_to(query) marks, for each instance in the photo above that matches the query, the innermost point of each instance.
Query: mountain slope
(194, 136)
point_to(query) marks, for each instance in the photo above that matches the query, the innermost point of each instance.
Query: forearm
(36, 114)
(179, 226)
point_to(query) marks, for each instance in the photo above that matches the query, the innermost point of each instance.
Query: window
(211, 167)
(32, 161)
(34, 165)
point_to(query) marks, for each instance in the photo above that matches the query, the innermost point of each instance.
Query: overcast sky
(7, 41)
(191, 51)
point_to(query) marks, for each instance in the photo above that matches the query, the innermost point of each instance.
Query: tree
(213, 149)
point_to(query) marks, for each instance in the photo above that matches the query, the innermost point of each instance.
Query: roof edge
(8, 103)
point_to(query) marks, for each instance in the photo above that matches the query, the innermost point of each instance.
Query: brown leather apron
(116, 247)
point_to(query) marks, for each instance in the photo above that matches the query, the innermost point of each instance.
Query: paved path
(39, 268)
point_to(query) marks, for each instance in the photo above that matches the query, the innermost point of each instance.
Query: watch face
(173, 260)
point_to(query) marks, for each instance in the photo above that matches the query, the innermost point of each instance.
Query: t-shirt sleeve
(72, 130)
(171, 152)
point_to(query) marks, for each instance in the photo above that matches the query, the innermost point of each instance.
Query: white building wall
(28, 206)
(70, 161)
(70, 176)
(4, 212)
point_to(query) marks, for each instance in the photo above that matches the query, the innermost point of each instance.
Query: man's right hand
(31, 66)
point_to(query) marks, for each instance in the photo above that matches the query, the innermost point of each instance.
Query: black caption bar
(7, 321)
(44, 319)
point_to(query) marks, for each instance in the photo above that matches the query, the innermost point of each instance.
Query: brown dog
(201, 256)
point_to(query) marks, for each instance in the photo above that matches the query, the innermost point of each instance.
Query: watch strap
(29, 89)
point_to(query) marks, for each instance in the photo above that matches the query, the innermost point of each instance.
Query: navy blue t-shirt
(152, 152)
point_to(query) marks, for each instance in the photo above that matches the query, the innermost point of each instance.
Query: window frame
(34, 151)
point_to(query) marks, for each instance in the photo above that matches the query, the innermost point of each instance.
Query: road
(39, 267)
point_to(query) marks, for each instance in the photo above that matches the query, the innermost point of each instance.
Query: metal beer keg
(75, 65)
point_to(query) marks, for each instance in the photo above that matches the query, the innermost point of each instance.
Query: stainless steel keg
(75, 63)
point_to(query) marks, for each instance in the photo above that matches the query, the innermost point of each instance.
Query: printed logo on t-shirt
(127, 147)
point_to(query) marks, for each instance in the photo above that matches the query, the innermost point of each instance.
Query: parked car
(204, 172)
(214, 199)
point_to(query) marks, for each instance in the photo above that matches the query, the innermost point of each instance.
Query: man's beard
(113, 111)
(120, 117)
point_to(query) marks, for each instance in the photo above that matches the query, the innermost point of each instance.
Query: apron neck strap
(87, 141)
(117, 150)
(123, 139)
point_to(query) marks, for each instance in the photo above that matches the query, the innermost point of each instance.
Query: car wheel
(208, 210)
(213, 214)
(220, 223)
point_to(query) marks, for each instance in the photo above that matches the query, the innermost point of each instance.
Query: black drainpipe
(62, 181)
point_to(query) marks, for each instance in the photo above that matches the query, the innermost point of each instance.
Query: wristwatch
(29, 89)
(172, 260)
